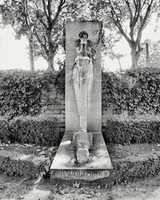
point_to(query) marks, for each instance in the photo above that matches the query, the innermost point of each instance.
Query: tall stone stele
(82, 153)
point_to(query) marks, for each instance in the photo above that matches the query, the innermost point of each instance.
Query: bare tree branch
(130, 10)
(45, 8)
(60, 6)
(148, 11)
(117, 22)
(49, 8)
(40, 41)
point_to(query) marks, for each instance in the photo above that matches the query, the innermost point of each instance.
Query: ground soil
(12, 188)
(18, 189)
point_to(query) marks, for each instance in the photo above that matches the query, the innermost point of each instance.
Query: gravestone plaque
(82, 153)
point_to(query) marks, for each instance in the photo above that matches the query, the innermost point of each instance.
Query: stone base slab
(79, 174)
(65, 167)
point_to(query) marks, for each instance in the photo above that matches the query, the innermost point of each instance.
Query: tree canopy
(130, 17)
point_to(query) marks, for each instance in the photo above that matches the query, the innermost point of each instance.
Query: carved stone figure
(82, 154)
(82, 82)
(83, 76)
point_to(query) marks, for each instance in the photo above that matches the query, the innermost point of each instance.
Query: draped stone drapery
(83, 81)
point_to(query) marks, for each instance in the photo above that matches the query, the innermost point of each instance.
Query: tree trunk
(147, 54)
(50, 51)
(31, 53)
(50, 63)
(135, 57)
(120, 66)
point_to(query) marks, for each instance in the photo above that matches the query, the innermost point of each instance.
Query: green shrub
(128, 171)
(36, 130)
(21, 92)
(19, 168)
(131, 132)
(114, 93)
(4, 130)
(134, 90)
(60, 82)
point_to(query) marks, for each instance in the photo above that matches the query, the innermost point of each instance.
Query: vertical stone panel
(94, 114)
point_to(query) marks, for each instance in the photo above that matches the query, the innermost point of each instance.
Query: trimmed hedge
(25, 93)
(4, 130)
(34, 130)
(131, 132)
(21, 92)
(127, 171)
(39, 131)
(19, 168)
(49, 131)
(135, 90)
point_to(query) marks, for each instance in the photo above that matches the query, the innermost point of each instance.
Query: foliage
(129, 171)
(25, 93)
(19, 168)
(114, 93)
(60, 82)
(134, 91)
(21, 92)
(42, 22)
(4, 131)
(39, 21)
(40, 130)
(119, 132)
(36, 130)
(153, 57)
(129, 18)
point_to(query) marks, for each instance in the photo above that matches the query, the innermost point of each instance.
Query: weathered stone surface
(88, 175)
(65, 161)
(82, 142)
(80, 151)
(72, 120)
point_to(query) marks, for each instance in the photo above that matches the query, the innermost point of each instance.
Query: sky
(14, 53)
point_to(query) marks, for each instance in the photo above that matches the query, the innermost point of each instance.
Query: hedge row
(131, 132)
(19, 168)
(49, 132)
(22, 92)
(131, 91)
(129, 171)
(33, 130)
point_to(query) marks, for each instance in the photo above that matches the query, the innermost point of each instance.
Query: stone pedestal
(98, 166)
(90, 160)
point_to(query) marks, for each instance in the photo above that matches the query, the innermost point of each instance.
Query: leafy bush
(36, 130)
(60, 81)
(45, 131)
(131, 132)
(114, 93)
(19, 168)
(21, 92)
(128, 171)
(135, 90)
(4, 130)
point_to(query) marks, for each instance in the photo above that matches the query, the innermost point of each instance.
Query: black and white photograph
(79, 99)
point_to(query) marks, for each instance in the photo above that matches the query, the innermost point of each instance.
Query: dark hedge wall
(49, 132)
(32, 130)
(131, 132)
(22, 93)
(134, 90)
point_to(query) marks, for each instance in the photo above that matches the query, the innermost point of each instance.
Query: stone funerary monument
(82, 154)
